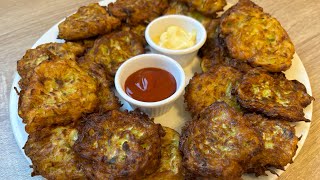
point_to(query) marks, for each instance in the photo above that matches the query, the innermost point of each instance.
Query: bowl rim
(160, 57)
(191, 49)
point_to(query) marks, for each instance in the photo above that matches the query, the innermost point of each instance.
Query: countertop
(22, 22)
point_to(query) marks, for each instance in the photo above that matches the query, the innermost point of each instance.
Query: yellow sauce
(176, 38)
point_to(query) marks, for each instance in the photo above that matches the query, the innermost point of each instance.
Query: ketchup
(150, 85)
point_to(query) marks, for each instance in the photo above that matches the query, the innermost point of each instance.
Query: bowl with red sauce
(150, 82)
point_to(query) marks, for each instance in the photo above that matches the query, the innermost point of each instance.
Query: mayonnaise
(176, 38)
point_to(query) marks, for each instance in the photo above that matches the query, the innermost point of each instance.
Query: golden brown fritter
(110, 51)
(177, 7)
(218, 143)
(135, 12)
(171, 158)
(208, 7)
(138, 30)
(87, 44)
(213, 53)
(106, 97)
(209, 62)
(273, 95)
(68, 50)
(58, 94)
(279, 144)
(50, 151)
(88, 21)
(34, 57)
(254, 36)
(119, 145)
(214, 85)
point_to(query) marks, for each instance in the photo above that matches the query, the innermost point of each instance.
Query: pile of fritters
(111, 145)
(242, 89)
(76, 129)
(241, 103)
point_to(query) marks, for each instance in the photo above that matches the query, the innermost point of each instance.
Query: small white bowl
(145, 61)
(160, 25)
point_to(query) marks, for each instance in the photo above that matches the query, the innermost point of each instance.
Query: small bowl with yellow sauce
(177, 36)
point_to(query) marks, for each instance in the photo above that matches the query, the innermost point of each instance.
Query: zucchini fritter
(111, 50)
(106, 97)
(138, 30)
(209, 62)
(254, 36)
(50, 151)
(279, 144)
(273, 95)
(88, 21)
(58, 94)
(119, 145)
(137, 11)
(208, 7)
(171, 158)
(213, 53)
(218, 143)
(177, 7)
(214, 85)
(87, 44)
(34, 57)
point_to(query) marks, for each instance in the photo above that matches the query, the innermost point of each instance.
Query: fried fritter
(279, 144)
(208, 7)
(34, 57)
(171, 158)
(68, 50)
(214, 85)
(111, 50)
(58, 94)
(50, 151)
(208, 62)
(214, 53)
(138, 30)
(218, 143)
(88, 21)
(273, 95)
(254, 36)
(119, 145)
(87, 44)
(177, 7)
(137, 11)
(107, 99)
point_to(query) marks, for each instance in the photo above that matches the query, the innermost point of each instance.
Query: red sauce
(150, 85)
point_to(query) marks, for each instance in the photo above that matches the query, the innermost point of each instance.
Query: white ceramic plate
(177, 116)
